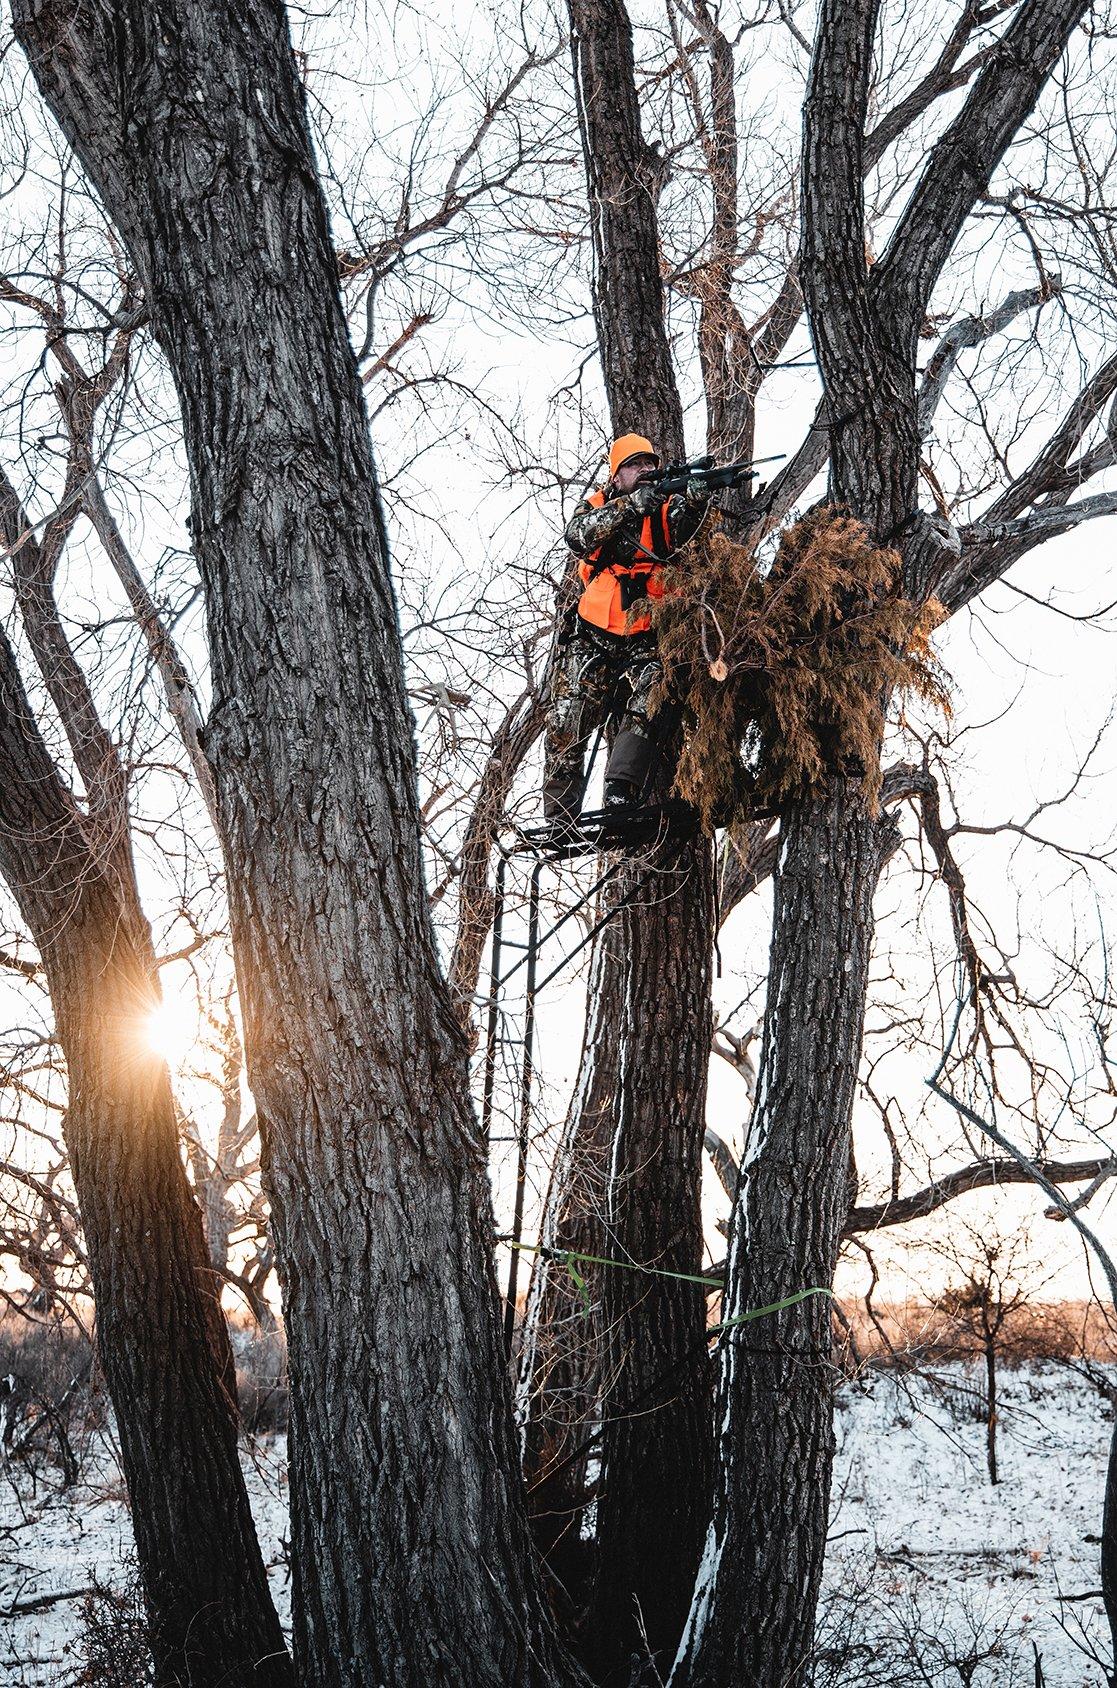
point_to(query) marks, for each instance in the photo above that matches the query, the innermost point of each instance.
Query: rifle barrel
(704, 469)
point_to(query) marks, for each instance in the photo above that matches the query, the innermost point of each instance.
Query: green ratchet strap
(568, 1257)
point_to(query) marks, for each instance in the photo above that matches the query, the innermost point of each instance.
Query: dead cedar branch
(784, 674)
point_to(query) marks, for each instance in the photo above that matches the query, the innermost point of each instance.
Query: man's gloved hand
(645, 500)
(698, 493)
(566, 627)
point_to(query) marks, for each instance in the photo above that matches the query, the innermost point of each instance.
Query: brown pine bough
(785, 674)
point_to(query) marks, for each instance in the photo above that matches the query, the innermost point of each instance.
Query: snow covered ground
(935, 1569)
(52, 1542)
(933, 1575)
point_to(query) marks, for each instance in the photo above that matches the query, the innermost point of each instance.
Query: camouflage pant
(595, 679)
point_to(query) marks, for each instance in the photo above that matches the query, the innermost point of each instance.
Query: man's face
(634, 470)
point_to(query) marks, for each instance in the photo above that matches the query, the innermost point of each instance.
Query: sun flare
(170, 1029)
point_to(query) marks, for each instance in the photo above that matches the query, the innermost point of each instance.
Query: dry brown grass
(926, 1331)
(784, 676)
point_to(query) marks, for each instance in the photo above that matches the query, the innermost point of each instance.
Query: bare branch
(1035, 1173)
(178, 689)
(989, 551)
(94, 752)
(964, 160)
(981, 1175)
(944, 77)
(724, 1162)
(970, 331)
(1052, 475)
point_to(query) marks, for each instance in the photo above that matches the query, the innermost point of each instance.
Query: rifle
(676, 476)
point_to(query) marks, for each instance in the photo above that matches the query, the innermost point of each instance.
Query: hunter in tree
(621, 535)
(615, 1522)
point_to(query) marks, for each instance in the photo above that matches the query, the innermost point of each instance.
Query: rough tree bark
(623, 176)
(647, 1059)
(560, 1353)
(411, 1558)
(160, 1330)
(753, 1612)
(772, 1484)
(657, 1440)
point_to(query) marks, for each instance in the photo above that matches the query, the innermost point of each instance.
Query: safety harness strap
(661, 549)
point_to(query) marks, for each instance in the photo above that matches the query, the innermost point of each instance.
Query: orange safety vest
(608, 592)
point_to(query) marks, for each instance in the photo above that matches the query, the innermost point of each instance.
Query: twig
(20, 1608)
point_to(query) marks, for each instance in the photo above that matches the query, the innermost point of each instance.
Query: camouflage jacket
(616, 525)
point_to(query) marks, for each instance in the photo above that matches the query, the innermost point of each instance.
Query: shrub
(113, 1648)
(51, 1405)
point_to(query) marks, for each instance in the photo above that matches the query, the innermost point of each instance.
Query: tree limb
(521, 727)
(944, 76)
(1052, 475)
(182, 701)
(964, 160)
(968, 332)
(988, 552)
(833, 248)
(1035, 1173)
(981, 1175)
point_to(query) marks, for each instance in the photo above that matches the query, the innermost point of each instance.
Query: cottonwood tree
(754, 1603)
(972, 46)
(650, 990)
(647, 1041)
(410, 1550)
(161, 1333)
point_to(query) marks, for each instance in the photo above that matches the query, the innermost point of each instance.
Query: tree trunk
(1109, 1553)
(656, 1053)
(622, 1364)
(653, 1497)
(989, 1343)
(160, 1330)
(411, 1559)
(752, 1618)
(623, 177)
(753, 1613)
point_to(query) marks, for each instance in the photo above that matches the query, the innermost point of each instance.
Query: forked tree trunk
(752, 1618)
(411, 1556)
(652, 1043)
(160, 1329)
